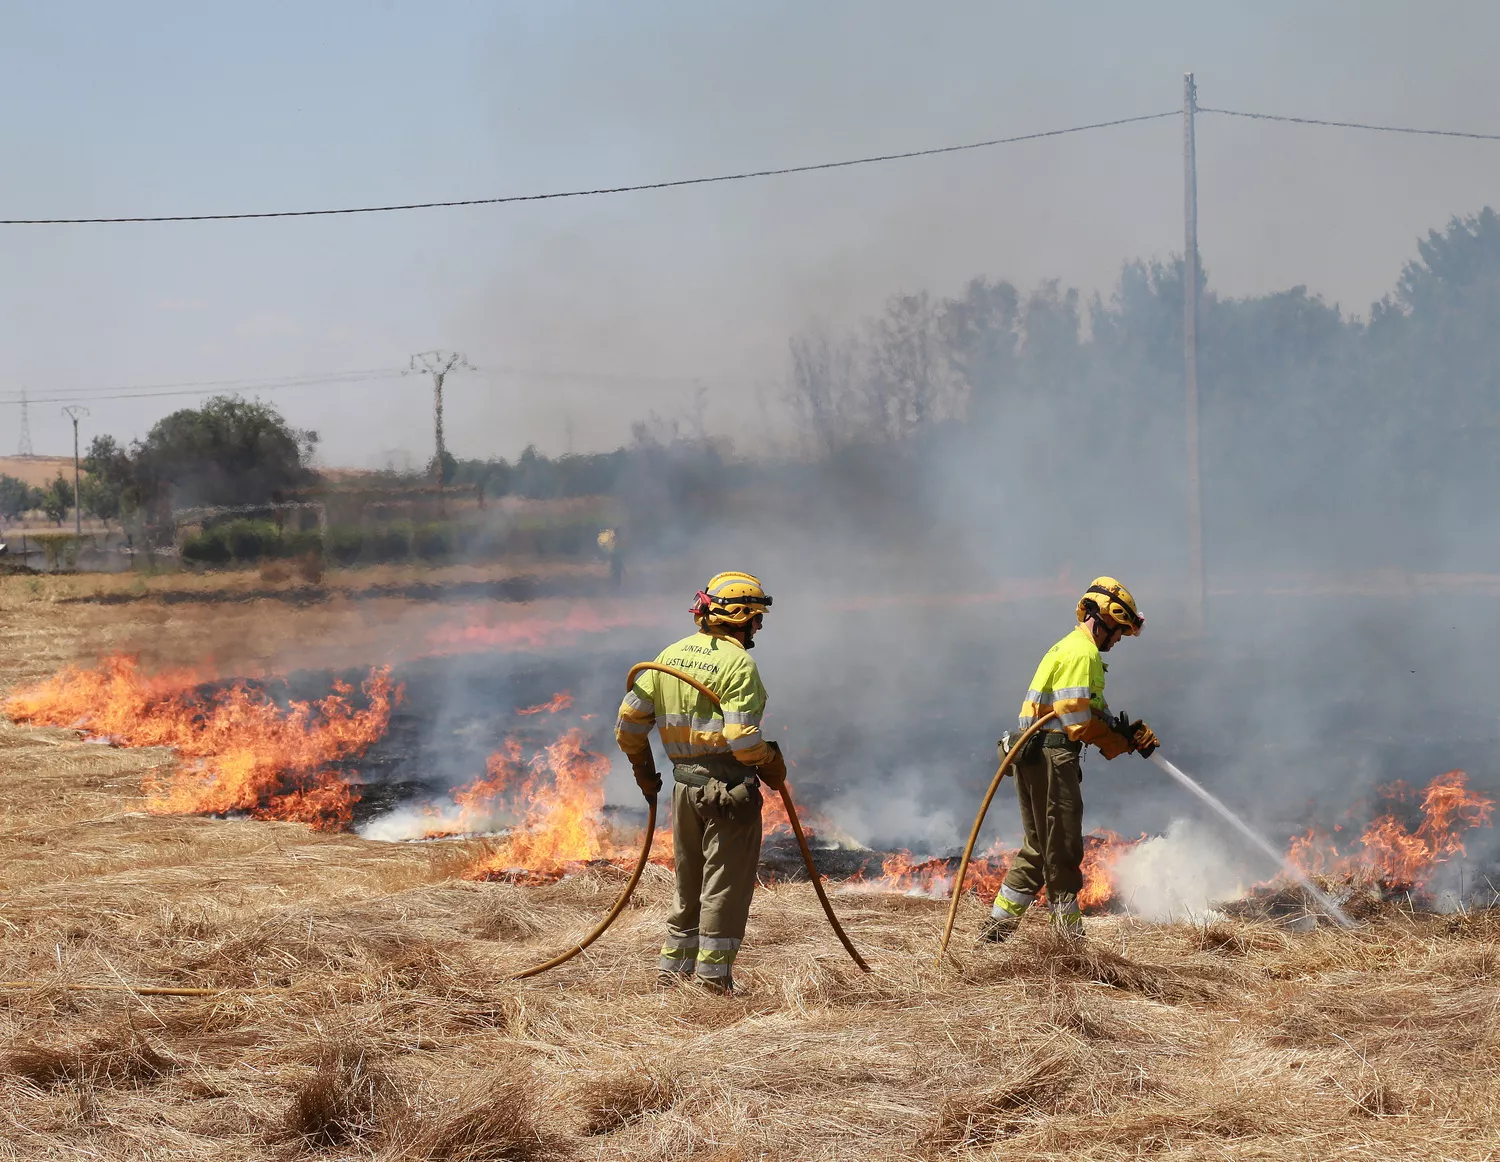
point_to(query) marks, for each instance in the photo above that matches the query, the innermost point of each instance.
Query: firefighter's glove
(772, 772)
(646, 777)
(1143, 739)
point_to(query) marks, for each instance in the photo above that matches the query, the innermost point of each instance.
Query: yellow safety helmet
(730, 599)
(1113, 602)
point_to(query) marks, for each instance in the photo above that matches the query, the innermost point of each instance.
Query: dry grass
(237, 624)
(376, 1021)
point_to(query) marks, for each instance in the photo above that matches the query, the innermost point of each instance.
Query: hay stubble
(376, 1020)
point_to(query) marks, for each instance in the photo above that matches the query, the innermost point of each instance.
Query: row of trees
(18, 498)
(234, 453)
(1323, 435)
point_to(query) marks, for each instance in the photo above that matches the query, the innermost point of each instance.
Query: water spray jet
(1326, 902)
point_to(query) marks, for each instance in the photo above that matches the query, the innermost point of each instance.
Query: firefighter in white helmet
(719, 760)
(1069, 680)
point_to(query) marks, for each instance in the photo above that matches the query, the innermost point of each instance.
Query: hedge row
(250, 541)
(246, 541)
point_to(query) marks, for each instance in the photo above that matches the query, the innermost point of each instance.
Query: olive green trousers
(716, 846)
(1049, 788)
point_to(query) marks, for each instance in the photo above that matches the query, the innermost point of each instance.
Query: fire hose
(640, 863)
(144, 990)
(963, 864)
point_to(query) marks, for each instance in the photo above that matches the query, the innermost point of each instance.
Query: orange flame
(902, 872)
(559, 797)
(1393, 856)
(236, 749)
(559, 701)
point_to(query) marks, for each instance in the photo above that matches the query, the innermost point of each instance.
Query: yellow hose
(963, 864)
(144, 990)
(817, 881)
(624, 898)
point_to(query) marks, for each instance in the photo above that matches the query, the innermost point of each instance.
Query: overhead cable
(576, 378)
(589, 193)
(1352, 125)
(209, 386)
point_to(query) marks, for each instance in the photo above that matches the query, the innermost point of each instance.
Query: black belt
(699, 778)
(1059, 740)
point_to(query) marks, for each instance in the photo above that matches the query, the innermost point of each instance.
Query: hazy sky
(586, 314)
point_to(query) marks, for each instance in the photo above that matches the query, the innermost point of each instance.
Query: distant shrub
(207, 547)
(434, 542)
(252, 540)
(249, 542)
(301, 544)
(344, 544)
(389, 543)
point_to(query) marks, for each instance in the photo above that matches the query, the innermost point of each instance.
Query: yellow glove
(772, 772)
(1143, 739)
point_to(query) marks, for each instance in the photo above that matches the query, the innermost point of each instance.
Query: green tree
(109, 488)
(17, 497)
(230, 451)
(57, 499)
(982, 334)
(450, 467)
(1433, 379)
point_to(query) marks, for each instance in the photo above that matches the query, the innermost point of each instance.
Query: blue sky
(585, 315)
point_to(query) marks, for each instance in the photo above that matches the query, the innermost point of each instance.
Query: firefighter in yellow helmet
(719, 760)
(1069, 680)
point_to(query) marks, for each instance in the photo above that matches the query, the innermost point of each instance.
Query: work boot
(998, 929)
(1066, 919)
(720, 985)
(1006, 916)
(669, 978)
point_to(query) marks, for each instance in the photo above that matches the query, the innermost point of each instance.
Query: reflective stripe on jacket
(689, 723)
(1070, 680)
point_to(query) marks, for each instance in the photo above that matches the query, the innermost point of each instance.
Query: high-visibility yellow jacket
(1070, 680)
(690, 724)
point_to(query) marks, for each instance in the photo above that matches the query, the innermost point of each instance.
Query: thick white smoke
(1181, 875)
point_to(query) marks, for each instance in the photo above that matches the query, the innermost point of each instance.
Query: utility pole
(74, 412)
(438, 364)
(1191, 280)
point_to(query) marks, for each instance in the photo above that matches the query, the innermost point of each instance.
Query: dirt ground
(365, 1010)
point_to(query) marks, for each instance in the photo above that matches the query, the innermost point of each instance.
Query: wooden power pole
(74, 412)
(1191, 282)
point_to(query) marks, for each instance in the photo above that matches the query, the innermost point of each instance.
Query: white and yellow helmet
(730, 599)
(1113, 602)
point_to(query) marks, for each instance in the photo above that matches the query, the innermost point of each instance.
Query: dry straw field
(364, 1010)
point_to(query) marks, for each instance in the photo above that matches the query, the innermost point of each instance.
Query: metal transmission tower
(25, 448)
(75, 412)
(438, 364)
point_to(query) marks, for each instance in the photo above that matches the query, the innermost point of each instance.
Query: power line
(208, 386)
(557, 194)
(676, 183)
(1352, 125)
(577, 378)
